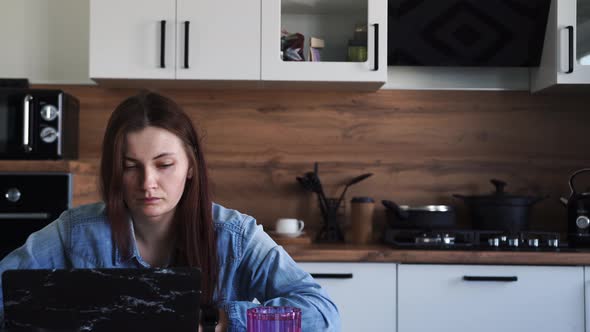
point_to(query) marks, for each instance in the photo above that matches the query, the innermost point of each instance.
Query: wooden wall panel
(422, 146)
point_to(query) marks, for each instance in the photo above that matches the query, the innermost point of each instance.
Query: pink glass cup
(274, 319)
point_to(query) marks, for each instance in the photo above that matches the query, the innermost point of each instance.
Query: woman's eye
(130, 166)
(165, 165)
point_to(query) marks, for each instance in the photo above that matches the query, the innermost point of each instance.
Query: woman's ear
(189, 174)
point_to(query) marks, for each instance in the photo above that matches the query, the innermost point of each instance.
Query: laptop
(102, 299)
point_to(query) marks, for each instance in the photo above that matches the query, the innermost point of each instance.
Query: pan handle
(402, 214)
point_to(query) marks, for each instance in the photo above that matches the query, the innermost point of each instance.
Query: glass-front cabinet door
(324, 41)
(574, 21)
(583, 35)
(566, 52)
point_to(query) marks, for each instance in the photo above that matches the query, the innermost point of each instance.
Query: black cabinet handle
(376, 47)
(331, 275)
(186, 41)
(22, 215)
(163, 44)
(570, 30)
(492, 278)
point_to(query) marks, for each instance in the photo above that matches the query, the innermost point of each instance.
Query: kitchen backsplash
(422, 146)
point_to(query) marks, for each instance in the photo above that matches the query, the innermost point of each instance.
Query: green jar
(357, 53)
(357, 46)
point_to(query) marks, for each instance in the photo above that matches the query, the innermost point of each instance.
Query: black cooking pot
(499, 210)
(428, 217)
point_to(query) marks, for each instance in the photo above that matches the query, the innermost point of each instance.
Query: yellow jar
(357, 53)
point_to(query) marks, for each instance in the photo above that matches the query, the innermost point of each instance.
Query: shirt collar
(133, 253)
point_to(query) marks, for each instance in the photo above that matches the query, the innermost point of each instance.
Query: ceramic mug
(289, 226)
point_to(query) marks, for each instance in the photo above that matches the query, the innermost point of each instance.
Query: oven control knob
(554, 243)
(583, 222)
(533, 242)
(49, 112)
(12, 195)
(513, 242)
(48, 134)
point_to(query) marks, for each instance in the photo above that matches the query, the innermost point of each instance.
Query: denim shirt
(252, 265)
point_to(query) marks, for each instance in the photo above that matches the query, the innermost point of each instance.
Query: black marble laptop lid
(102, 299)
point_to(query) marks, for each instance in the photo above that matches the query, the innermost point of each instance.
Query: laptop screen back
(102, 299)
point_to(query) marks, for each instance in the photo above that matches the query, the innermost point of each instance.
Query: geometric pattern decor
(466, 32)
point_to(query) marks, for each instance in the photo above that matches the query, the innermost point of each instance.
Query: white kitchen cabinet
(587, 295)
(44, 41)
(466, 298)
(175, 39)
(126, 42)
(334, 21)
(365, 293)
(565, 63)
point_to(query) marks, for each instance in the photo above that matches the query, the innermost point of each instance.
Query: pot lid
(499, 196)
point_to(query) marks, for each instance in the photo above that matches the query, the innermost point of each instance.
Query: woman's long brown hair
(196, 242)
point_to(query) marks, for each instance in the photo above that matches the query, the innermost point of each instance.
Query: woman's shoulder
(89, 233)
(238, 232)
(231, 220)
(87, 212)
(85, 217)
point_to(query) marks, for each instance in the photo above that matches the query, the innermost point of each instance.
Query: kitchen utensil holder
(330, 231)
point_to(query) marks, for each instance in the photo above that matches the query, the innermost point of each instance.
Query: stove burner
(473, 240)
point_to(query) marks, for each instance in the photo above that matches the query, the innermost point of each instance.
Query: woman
(157, 212)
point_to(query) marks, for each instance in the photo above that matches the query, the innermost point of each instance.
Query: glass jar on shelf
(357, 46)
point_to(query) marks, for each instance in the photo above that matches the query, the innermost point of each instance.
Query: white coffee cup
(289, 226)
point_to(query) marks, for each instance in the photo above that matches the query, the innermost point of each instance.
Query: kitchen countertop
(382, 253)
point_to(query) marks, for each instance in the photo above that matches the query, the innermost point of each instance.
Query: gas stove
(462, 239)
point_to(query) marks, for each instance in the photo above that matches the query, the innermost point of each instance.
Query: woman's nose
(149, 180)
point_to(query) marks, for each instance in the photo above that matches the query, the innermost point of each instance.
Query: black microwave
(38, 124)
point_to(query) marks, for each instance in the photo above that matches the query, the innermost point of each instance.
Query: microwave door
(16, 118)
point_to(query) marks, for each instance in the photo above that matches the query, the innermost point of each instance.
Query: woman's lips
(150, 200)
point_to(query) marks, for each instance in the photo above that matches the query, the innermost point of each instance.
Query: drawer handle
(494, 279)
(8, 216)
(331, 275)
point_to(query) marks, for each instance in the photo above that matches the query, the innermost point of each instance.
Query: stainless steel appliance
(578, 213)
(28, 202)
(38, 124)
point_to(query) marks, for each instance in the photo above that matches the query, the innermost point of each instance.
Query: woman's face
(155, 171)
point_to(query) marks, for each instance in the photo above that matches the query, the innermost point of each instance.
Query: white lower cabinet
(467, 298)
(587, 295)
(365, 293)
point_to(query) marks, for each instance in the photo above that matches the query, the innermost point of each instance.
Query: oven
(38, 124)
(28, 202)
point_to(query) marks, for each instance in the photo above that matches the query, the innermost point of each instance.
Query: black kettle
(578, 214)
